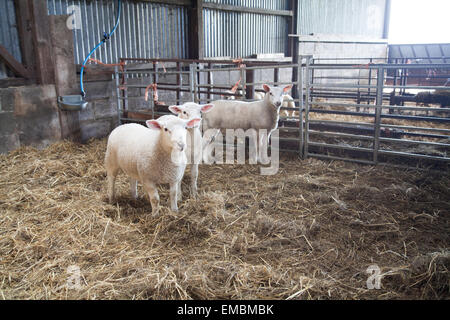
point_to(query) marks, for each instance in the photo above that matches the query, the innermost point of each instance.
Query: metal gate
(344, 110)
(336, 128)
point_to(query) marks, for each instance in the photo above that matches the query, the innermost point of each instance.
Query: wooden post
(40, 30)
(65, 75)
(210, 81)
(195, 30)
(23, 18)
(179, 82)
(250, 77)
(276, 75)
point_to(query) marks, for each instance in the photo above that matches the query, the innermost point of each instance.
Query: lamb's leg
(263, 147)
(194, 176)
(293, 112)
(111, 174)
(173, 197)
(133, 188)
(152, 191)
(179, 193)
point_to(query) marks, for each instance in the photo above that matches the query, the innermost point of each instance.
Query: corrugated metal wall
(146, 30)
(9, 37)
(151, 30)
(350, 17)
(238, 34)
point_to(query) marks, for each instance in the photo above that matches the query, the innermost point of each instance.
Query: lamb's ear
(206, 108)
(193, 123)
(175, 109)
(266, 88)
(287, 88)
(153, 124)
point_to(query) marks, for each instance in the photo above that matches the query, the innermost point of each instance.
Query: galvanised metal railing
(148, 78)
(327, 124)
(382, 140)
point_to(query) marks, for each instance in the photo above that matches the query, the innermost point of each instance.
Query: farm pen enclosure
(317, 229)
(309, 232)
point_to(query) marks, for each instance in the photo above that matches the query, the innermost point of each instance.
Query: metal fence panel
(336, 120)
(378, 128)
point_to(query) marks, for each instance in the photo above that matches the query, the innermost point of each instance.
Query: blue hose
(106, 37)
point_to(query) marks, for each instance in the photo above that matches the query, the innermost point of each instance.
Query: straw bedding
(309, 232)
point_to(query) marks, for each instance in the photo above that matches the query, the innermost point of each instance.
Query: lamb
(191, 110)
(288, 102)
(238, 92)
(153, 155)
(233, 114)
(259, 95)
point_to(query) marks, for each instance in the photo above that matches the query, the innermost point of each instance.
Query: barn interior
(364, 144)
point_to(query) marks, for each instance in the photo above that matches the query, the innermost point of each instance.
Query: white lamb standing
(153, 155)
(239, 92)
(191, 110)
(288, 102)
(235, 114)
(259, 95)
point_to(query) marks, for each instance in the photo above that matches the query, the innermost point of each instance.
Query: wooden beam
(13, 64)
(195, 30)
(225, 7)
(94, 73)
(40, 26)
(13, 82)
(23, 18)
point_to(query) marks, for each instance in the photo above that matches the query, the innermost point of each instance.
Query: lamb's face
(190, 110)
(173, 131)
(276, 94)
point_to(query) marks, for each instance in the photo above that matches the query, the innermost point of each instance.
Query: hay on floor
(309, 232)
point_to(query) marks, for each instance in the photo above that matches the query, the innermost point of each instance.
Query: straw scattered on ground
(309, 232)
